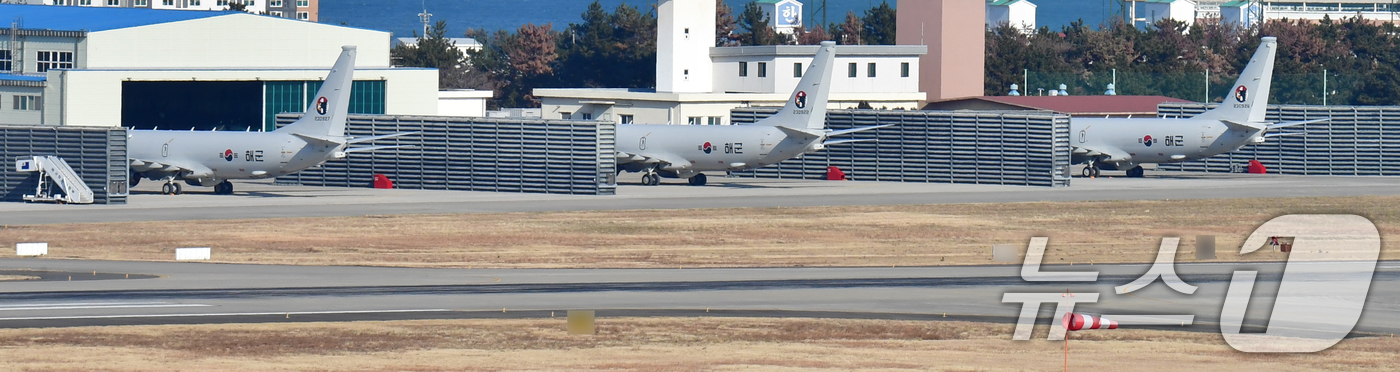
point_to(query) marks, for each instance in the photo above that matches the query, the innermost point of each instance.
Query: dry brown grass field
(647, 344)
(911, 235)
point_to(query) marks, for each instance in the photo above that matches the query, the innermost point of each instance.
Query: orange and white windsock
(1075, 322)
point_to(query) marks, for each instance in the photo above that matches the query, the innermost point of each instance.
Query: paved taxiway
(262, 199)
(217, 293)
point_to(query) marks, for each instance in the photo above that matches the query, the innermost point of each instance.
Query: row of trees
(877, 27)
(1199, 62)
(607, 49)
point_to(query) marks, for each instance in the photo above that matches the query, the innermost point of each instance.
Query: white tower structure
(685, 33)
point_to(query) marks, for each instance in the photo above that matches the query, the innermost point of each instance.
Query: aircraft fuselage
(1155, 140)
(711, 148)
(226, 155)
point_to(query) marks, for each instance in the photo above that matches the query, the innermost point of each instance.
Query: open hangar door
(198, 105)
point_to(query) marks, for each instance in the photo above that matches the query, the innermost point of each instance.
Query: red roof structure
(1104, 106)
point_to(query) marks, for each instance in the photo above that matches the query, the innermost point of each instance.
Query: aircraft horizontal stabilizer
(1245, 126)
(838, 142)
(854, 130)
(375, 148)
(376, 138)
(319, 140)
(1297, 123)
(802, 134)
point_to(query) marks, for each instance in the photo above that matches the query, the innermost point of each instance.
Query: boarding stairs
(70, 187)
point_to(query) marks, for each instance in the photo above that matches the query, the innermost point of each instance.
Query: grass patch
(912, 235)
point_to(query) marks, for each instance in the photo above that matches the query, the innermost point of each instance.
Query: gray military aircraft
(683, 151)
(213, 158)
(1115, 143)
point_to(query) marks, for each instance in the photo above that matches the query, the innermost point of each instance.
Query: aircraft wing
(667, 161)
(1107, 154)
(170, 167)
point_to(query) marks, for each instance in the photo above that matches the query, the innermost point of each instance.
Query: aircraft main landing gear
(1135, 172)
(697, 180)
(223, 188)
(170, 188)
(1090, 170)
(651, 179)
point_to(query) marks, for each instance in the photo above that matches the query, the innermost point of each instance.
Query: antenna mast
(426, 18)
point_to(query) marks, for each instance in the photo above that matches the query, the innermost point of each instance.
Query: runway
(196, 293)
(262, 199)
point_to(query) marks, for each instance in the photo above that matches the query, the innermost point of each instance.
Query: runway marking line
(99, 307)
(225, 314)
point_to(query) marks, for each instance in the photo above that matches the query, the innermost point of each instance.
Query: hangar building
(170, 69)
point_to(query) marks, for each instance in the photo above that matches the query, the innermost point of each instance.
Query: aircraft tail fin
(806, 109)
(326, 114)
(1249, 97)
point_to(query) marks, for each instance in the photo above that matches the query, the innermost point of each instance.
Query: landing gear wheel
(655, 179)
(1135, 172)
(1090, 171)
(223, 188)
(167, 189)
(646, 179)
(177, 188)
(697, 180)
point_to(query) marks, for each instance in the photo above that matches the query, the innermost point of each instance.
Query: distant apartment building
(1250, 12)
(1178, 10)
(306, 10)
(1016, 13)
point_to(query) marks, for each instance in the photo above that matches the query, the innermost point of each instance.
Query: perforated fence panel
(97, 154)
(475, 154)
(1358, 141)
(1010, 148)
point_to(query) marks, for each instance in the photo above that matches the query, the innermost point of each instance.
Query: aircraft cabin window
(851, 69)
(762, 69)
(743, 69)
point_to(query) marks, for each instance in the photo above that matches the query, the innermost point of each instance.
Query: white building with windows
(1017, 13)
(1178, 10)
(698, 83)
(1375, 10)
(305, 10)
(144, 68)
